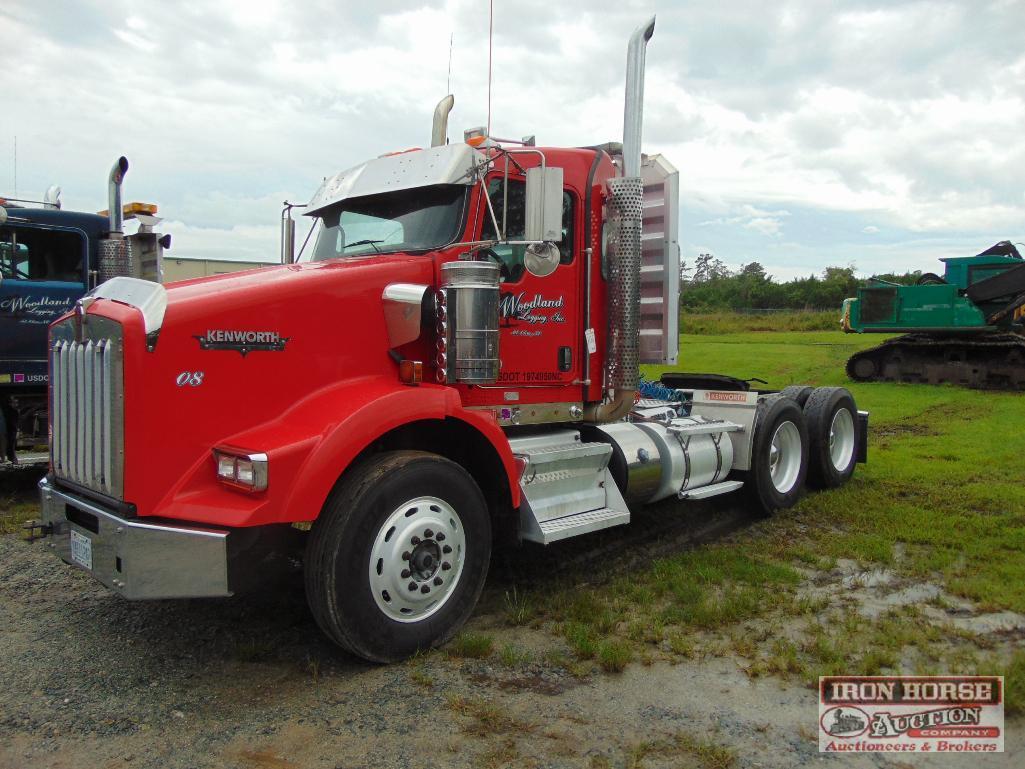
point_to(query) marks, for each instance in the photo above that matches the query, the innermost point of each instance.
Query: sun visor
(450, 164)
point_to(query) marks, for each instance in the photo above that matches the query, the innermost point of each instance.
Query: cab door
(540, 317)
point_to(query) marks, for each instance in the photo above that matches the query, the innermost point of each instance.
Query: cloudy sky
(879, 134)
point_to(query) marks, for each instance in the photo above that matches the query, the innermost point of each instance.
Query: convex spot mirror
(544, 204)
(541, 259)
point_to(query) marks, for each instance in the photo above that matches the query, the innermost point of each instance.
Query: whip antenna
(491, 32)
(448, 79)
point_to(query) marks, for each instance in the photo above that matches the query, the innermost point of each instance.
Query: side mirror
(544, 204)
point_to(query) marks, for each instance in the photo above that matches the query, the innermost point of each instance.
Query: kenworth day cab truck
(456, 360)
(49, 258)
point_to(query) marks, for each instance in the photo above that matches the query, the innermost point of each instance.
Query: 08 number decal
(189, 379)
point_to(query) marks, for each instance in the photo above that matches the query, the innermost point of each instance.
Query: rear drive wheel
(396, 561)
(832, 436)
(797, 393)
(779, 455)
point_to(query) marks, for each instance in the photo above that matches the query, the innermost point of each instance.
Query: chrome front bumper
(136, 559)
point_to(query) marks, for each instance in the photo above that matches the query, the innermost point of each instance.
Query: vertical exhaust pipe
(439, 131)
(115, 207)
(626, 197)
(115, 250)
(633, 108)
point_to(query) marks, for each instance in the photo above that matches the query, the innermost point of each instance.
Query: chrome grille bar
(57, 432)
(85, 450)
(78, 411)
(108, 391)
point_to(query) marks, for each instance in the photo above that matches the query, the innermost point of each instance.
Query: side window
(30, 254)
(13, 257)
(512, 256)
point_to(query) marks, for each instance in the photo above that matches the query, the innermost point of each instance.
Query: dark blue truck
(49, 258)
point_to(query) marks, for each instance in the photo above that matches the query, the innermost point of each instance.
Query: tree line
(711, 285)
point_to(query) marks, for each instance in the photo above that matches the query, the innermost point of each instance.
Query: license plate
(81, 550)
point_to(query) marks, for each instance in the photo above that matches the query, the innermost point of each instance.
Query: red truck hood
(277, 280)
(241, 349)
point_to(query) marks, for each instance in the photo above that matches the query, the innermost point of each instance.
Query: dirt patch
(924, 423)
(902, 429)
(873, 592)
(532, 683)
(249, 683)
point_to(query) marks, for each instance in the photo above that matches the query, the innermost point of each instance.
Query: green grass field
(941, 502)
(945, 478)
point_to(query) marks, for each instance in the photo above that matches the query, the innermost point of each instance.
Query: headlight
(241, 470)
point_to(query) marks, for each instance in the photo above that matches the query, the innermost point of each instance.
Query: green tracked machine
(964, 328)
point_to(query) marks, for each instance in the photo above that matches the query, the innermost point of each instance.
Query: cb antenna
(491, 32)
(448, 79)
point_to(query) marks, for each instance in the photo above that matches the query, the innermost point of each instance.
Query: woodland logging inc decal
(535, 310)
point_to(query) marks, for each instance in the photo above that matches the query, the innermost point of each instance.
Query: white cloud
(904, 114)
(769, 223)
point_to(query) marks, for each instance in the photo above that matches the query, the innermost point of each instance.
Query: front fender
(312, 444)
(380, 408)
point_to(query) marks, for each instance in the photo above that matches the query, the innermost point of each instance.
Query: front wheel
(779, 455)
(397, 559)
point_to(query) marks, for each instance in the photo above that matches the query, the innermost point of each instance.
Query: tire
(3, 436)
(8, 431)
(773, 486)
(797, 393)
(391, 510)
(833, 437)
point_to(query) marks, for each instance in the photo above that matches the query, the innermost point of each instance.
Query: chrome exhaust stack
(633, 108)
(115, 208)
(115, 250)
(626, 211)
(439, 131)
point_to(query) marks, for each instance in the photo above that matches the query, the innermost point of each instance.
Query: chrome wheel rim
(841, 439)
(417, 559)
(785, 457)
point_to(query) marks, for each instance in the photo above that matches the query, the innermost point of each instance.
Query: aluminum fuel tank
(652, 461)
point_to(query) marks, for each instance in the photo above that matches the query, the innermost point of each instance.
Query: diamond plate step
(567, 487)
(581, 523)
(704, 492)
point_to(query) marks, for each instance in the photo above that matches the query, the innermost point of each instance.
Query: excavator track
(994, 361)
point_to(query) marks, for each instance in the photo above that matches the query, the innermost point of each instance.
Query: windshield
(407, 220)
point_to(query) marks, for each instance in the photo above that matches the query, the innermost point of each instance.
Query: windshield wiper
(364, 243)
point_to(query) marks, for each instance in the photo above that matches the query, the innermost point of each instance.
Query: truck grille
(87, 412)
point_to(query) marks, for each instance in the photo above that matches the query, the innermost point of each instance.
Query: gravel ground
(91, 680)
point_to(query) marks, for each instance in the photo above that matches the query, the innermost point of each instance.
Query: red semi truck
(456, 360)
